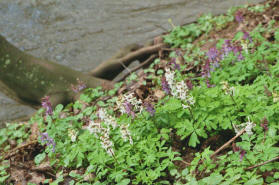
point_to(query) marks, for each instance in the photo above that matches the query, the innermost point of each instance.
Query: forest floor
(206, 111)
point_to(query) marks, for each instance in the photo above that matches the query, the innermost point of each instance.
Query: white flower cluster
(227, 89)
(103, 132)
(125, 133)
(248, 126)
(108, 119)
(131, 99)
(179, 89)
(72, 134)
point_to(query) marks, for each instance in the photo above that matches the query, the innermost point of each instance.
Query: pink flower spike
(47, 105)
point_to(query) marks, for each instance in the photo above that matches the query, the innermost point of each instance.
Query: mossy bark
(28, 79)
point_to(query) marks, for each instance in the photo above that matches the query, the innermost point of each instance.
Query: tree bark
(27, 79)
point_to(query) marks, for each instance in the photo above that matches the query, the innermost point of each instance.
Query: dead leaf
(34, 132)
(159, 94)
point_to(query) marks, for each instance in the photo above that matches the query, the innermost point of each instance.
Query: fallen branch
(261, 164)
(17, 149)
(228, 143)
(150, 59)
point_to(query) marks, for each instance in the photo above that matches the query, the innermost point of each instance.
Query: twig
(261, 164)
(227, 143)
(17, 149)
(188, 164)
(137, 67)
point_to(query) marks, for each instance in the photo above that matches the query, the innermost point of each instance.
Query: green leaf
(193, 140)
(254, 181)
(172, 105)
(4, 178)
(39, 158)
(276, 175)
(124, 182)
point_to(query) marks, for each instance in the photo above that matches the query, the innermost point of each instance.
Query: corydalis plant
(103, 132)
(79, 87)
(129, 104)
(47, 105)
(174, 64)
(239, 17)
(46, 139)
(240, 150)
(149, 108)
(179, 89)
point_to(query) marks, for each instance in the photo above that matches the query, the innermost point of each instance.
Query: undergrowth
(191, 103)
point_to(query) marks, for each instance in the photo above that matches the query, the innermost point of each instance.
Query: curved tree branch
(112, 67)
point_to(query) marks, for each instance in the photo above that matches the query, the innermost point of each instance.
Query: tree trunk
(27, 79)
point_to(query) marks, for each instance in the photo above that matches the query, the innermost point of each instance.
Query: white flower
(125, 133)
(179, 89)
(107, 144)
(227, 89)
(94, 127)
(170, 79)
(248, 126)
(73, 135)
(108, 119)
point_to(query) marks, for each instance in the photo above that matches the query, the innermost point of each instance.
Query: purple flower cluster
(129, 109)
(239, 149)
(79, 87)
(174, 64)
(247, 36)
(189, 84)
(165, 85)
(229, 47)
(239, 17)
(47, 105)
(206, 72)
(45, 138)
(149, 108)
(264, 124)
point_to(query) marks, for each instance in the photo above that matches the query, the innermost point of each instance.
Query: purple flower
(213, 54)
(48, 140)
(47, 105)
(165, 86)
(175, 65)
(129, 109)
(247, 36)
(227, 48)
(242, 153)
(149, 108)
(189, 84)
(206, 73)
(79, 87)
(264, 124)
(237, 149)
(206, 69)
(239, 16)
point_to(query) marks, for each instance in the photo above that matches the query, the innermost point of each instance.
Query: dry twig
(261, 164)
(228, 143)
